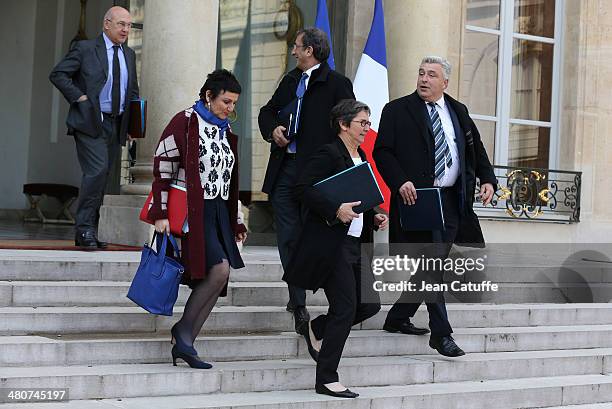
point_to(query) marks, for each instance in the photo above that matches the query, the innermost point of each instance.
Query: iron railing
(533, 194)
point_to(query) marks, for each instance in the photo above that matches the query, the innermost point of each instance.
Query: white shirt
(216, 160)
(450, 174)
(356, 224)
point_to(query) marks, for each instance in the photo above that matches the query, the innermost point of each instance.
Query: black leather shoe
(301, 317)
(405, 328)
(102, 244)
(86, 240)
(322, 390)
(290, 307)
(446, 346)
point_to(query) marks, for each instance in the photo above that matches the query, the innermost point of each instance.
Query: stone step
(91, 349)
(109, 381)
(262, 264)
(231, 319)
(101, 293)
(568, 392)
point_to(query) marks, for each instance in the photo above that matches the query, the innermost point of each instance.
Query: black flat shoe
(446, 346)
(192, 360)
(405, 328)
(314, 354)
(323, 390)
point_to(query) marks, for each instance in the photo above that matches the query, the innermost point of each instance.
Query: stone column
(179, 49)
(413, 29)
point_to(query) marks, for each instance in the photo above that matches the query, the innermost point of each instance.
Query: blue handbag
(156, 283)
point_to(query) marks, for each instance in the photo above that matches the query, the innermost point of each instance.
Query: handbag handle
(164, 244)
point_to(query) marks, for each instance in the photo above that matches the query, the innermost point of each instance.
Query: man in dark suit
(308, 92)
(98, 79)
(428, 139)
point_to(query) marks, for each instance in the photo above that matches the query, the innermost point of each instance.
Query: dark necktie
(299, 93)
(116, 90)
(441, 146)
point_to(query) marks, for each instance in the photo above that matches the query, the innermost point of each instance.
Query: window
(511, 55)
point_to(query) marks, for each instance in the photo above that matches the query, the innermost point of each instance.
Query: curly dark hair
(218, 81)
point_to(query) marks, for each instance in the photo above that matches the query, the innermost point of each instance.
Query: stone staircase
(65, 323)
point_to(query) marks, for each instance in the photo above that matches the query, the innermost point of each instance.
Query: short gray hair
(317, 39)
(345, 111)
(434, 59)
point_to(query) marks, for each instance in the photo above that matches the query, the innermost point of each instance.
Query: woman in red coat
(198, 151)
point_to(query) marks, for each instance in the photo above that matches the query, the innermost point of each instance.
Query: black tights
(201, 302)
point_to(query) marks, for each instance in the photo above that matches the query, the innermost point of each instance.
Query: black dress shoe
(86, 240)
(102, 244)
(446, 346)
(290, 307)
(323, 390)
(301, 317)
(405, 328)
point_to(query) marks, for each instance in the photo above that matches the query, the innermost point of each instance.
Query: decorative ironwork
(533, 194)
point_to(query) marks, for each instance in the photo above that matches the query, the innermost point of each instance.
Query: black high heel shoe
(192, 360)
(190, 350)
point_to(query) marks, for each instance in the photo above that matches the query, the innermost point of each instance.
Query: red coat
(176, 161)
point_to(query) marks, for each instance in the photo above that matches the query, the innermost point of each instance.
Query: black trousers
(96, 156)
(343, 291)
(288, 217)
(409, 302)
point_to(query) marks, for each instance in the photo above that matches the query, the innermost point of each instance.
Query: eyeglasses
(300, 45)
(363, 123)
(121, 24)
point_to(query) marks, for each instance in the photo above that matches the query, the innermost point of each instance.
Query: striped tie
(441, 146)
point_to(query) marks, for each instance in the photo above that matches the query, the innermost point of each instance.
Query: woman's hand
(241, 237)
(162, 225)
(345, 212)
(381, 221)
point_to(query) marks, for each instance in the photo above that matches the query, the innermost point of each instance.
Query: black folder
(286, 116)
(425, 214)
(137, 126)
(354, 184)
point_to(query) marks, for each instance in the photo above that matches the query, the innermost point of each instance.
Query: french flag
(322, 23)
(371, 86)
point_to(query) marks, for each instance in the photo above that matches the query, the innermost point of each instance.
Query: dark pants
(288, 220)
(408, 303)
(96, 156)
(345, 309)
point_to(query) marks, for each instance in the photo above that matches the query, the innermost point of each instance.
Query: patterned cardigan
(176, 161)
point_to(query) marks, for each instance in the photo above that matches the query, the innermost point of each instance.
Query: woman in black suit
(328, 254)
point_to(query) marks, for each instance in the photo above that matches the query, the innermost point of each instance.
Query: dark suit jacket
(83, 71)
(404, 151)
(325, 89)
(322, 235)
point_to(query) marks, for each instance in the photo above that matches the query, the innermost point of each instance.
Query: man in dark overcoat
(98, 79)
(296, 123)
(427, 139)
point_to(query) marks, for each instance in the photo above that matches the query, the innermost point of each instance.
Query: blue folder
(356, 183)
(425, 214)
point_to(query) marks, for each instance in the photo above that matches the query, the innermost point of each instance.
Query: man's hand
(381, 221)
(241, 237)
(279, 136)
(345, 212)
(408, 193)
(162, 226)
(486, 193)
(82, 98)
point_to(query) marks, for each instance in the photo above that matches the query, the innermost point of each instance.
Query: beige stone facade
(414, 28)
